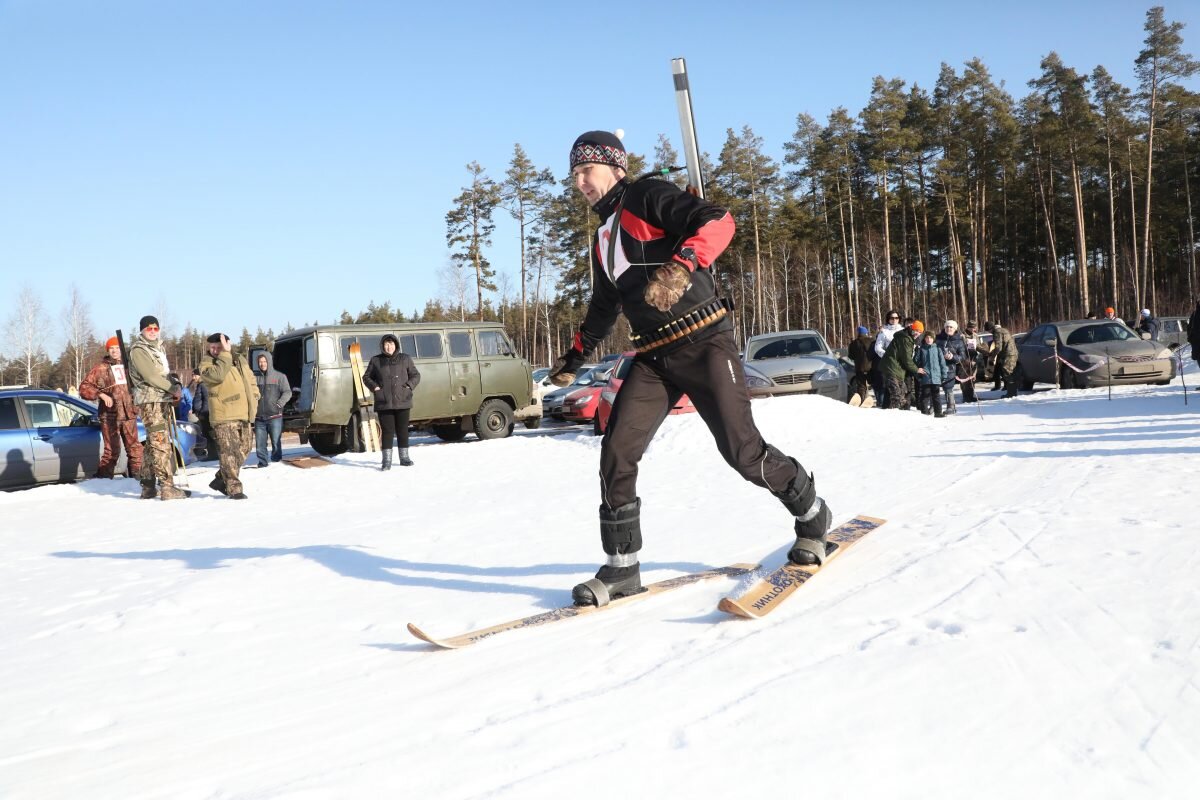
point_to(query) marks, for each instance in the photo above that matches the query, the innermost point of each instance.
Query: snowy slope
(1026, 624)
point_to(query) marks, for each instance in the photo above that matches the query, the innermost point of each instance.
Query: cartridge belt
(695, 320)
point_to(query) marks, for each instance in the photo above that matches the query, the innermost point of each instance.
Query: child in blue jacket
(932, 373)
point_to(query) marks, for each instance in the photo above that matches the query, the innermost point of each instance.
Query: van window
(310, 349)
(429, 345)
(493, 343)
(460, 344)
(368, 344)
(408, 344)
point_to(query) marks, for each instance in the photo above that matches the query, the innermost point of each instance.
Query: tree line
(956, 201)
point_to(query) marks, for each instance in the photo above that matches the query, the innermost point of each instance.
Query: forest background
(959, 201)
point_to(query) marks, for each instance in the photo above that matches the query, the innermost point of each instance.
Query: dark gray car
(1077, 354)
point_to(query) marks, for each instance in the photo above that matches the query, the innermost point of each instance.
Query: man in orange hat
(105, 386)
(898, 364)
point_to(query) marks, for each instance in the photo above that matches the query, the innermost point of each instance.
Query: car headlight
(825, 374)
(1166, 353)
(1088, 358)
(755, 382)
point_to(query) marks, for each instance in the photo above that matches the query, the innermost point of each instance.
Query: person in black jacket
(862, 352)
(392, 376)
(1193, 333)
(651, 260)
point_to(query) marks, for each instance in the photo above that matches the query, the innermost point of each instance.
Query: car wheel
(1067, 379)
(494, 420)
(327, 443)
(449, 433)
(533, 423)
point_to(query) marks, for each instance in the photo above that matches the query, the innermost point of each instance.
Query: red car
(580, 405)
(608, 394)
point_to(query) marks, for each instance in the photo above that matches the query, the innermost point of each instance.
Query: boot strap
(599, 590)
(817, 548)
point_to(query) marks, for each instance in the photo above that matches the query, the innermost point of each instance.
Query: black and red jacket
(658, 219)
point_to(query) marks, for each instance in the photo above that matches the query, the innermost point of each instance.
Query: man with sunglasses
(882, 340)
(155, 394)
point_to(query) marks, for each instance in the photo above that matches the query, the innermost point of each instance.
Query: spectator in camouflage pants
(155, 394)
(232, 400)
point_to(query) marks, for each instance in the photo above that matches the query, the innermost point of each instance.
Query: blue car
(52, 437)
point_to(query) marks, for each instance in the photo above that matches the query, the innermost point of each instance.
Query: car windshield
(1102, 332)
(787, 348)
(585, 377)
(540, 373)
(623, 367)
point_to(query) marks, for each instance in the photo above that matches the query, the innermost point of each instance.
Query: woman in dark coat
(392, 376)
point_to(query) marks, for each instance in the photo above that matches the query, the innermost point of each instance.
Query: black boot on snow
(405, 461)
(149, 489)
(387, 460)
(218, 484)
(812, 519)
(621, 537)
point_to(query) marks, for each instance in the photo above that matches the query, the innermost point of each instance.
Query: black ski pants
(393, 424)
(710, 373)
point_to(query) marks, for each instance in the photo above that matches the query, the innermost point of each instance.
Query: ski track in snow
(1025, 622)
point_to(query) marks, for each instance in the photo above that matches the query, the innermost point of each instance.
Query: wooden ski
(768, 593)
(568, 612)
(368, 423)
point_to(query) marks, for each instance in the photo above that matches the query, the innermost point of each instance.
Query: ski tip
(424, 637)
(731, 606)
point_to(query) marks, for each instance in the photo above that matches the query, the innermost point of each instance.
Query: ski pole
(687, 125)
(1108, 359)
(1179, 355)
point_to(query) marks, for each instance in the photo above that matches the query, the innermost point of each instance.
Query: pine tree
(525, 194)
(469, 227)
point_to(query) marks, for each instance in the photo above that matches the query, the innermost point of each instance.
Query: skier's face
(596, 180)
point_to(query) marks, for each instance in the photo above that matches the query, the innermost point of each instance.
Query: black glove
(563, 372)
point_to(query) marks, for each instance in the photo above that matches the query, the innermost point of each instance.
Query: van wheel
(449, 433)
(494, 420)
(533, 423)
(328, 443)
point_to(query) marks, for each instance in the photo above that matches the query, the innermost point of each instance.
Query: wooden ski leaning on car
(364, 403)
(569, 612)
(772, 589)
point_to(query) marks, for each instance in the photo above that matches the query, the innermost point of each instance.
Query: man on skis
(652, 256)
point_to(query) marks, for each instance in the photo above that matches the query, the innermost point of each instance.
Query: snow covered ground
(1027, 623)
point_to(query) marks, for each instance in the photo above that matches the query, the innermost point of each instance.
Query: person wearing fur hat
(105, 385)
(1147, 326)
(861, 352)
(156, 395)
(232, 403)
(898, 364)
(392, 376)
(954, 350)
(652, 260)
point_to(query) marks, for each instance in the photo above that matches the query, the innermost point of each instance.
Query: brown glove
(669, 283)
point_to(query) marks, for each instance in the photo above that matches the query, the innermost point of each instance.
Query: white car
(793, 362)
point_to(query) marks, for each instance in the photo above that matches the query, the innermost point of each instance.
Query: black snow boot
(812, 519)
(149, 489)
(621, 537)
(405, 461)
(218, 484)
(387, 460)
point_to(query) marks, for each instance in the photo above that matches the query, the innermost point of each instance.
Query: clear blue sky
(241, 163)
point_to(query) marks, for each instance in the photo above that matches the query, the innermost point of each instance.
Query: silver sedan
(793, 362)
